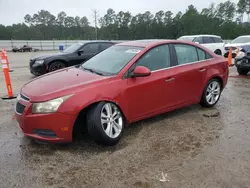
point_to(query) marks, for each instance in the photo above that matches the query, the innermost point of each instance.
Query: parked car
(126, 83)
(241, 43)
(212, 42)
(242, 62)
(24, 48)
(73, 55)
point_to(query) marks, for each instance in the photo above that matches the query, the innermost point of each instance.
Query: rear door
(189, 73)
(219, 44)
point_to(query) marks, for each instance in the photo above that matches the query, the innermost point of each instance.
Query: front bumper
(243, 65)
(54, 127)
(37, 69)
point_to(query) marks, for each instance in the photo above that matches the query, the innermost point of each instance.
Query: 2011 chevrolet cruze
(127, 82)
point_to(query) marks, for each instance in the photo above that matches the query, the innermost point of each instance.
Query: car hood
(237, 44)
(60, 83)
(49, 55)
(245, 46)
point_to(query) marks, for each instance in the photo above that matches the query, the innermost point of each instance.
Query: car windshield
(186, 38)
(73, 48)
(241, 40)
(112, 60)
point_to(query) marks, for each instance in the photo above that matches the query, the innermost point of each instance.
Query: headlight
(48, 106)
(39, 62)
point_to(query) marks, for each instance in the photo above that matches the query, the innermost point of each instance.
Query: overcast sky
(13, 11)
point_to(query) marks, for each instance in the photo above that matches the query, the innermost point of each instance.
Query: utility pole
(95, 19)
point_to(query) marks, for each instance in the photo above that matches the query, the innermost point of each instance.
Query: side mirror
(141, 71)
(80, 52)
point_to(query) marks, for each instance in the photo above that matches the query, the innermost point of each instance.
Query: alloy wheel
(57, 67)
(111, 120)
(213, 92)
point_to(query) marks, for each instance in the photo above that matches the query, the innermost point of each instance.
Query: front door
(147, 95)
(86, 52)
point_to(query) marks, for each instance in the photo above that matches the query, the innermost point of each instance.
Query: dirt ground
(188, 148)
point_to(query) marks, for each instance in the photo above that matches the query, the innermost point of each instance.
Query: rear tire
(242, 72)
(211, 93)
(218, 52)
(105, 123)
(56, 66)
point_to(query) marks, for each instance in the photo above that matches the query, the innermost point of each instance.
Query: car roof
(205, 35)
(144, 43)
(151, 42)
(244, 36)
(99, 41)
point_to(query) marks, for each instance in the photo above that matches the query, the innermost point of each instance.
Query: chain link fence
(42, 45)
(45, 45)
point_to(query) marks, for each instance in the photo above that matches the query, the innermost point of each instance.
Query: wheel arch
(80, 122)
(219, 78)
(212, 77)
(60, 60)
(218, 50)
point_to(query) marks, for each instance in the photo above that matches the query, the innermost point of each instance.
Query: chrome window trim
(184, 64)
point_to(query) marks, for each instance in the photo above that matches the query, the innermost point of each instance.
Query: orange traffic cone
(230, 58)
(7, 77)
(6, 57)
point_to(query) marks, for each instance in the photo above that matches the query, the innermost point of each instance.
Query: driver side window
(91, 48)
(156, 58)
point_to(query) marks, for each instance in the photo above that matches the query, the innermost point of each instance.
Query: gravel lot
(191, 148)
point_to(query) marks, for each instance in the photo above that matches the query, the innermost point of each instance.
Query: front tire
(242, 72)
(56, 66)
(105, 123)
(211, 93)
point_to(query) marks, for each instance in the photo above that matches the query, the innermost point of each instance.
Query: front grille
(20, 108)
(24, 97)
(45, 133)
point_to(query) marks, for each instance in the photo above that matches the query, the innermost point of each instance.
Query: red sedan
(128, 82)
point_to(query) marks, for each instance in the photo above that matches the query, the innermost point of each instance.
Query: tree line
(227, 19)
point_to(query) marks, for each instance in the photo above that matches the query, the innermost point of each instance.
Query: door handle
(169, 80)
(202, 70)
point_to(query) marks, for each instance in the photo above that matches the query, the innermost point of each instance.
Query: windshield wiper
(93, 71)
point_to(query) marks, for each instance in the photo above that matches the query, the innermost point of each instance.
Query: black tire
(95, 128)
(242, 72)
(218, 52)
(204, 102)
(56, 66)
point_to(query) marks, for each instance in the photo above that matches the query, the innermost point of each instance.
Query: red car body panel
(139, 98)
